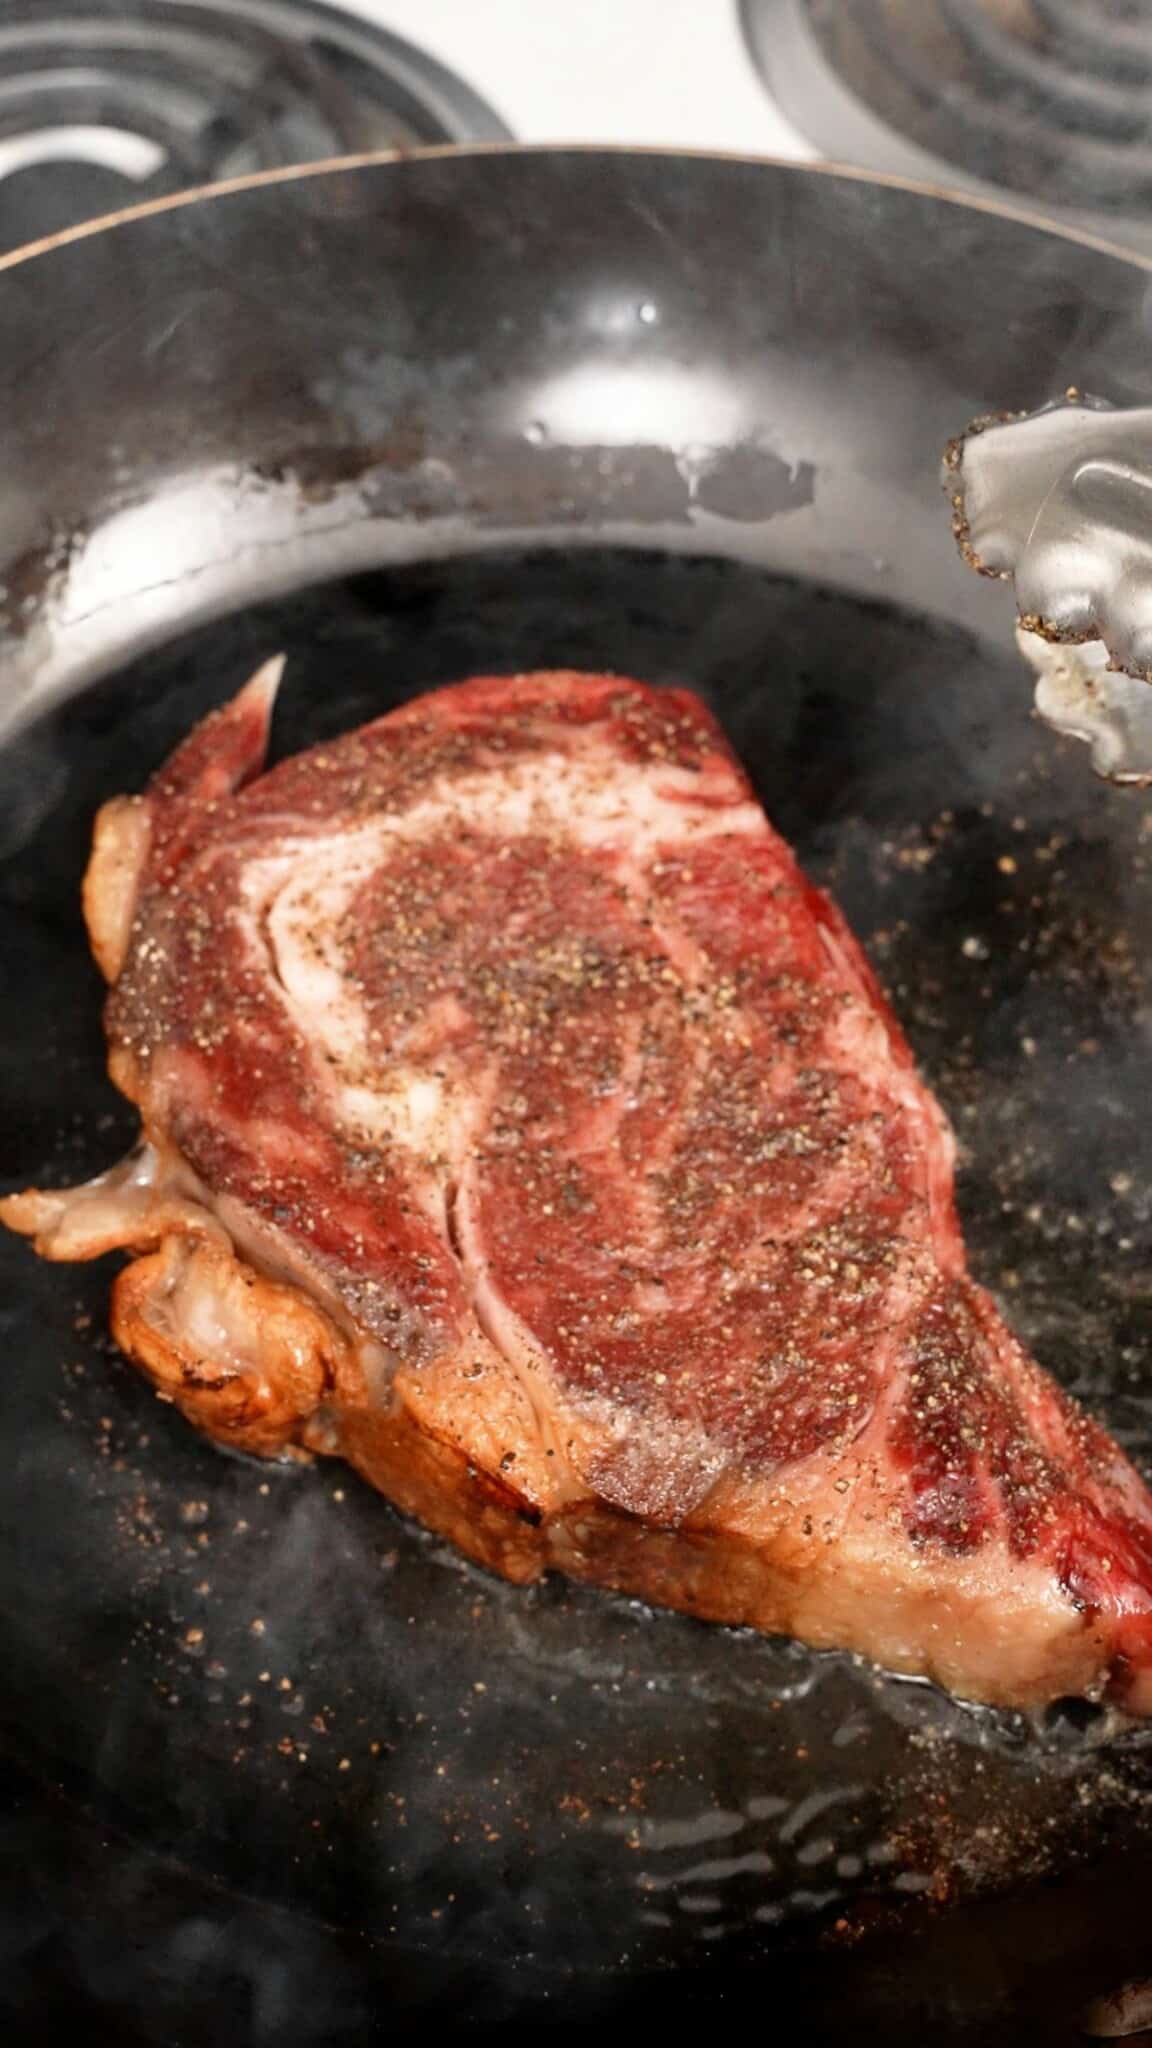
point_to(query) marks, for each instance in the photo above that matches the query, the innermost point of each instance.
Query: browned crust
(711, 1569)
(258, 1407)
(805, 1554)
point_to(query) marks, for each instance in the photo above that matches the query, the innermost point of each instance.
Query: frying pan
(278, 1766)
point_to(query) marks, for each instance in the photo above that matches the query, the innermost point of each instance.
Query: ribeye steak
(521, 1125)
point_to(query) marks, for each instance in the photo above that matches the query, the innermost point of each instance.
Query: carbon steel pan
(268, 1749)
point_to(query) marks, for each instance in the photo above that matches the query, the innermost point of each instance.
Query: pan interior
(273, 1680)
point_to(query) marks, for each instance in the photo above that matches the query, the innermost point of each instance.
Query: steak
(522, 1126)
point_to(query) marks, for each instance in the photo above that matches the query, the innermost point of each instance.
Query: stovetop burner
(1051, 99)
(106, 102)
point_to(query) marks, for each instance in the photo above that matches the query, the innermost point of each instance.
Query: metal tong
(1060, 501)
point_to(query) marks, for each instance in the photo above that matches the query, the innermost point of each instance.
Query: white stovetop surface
(635, 71)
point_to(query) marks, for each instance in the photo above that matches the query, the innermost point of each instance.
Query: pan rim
(283, 174)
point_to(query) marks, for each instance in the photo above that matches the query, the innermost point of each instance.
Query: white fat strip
(297, 897)
(295, 901)
(502, 1326)
(208, 1317)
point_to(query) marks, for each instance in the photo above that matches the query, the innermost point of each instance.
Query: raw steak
(521, 1125)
